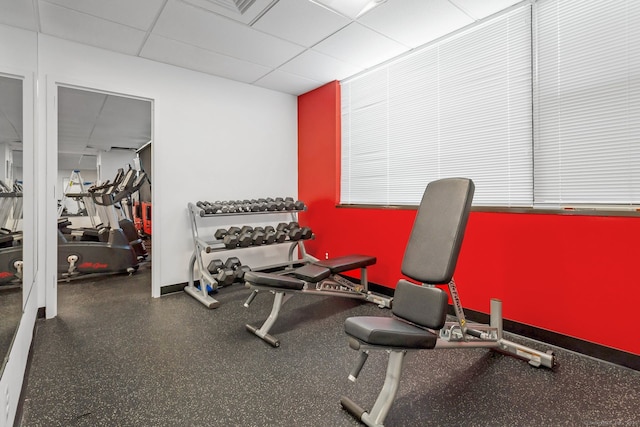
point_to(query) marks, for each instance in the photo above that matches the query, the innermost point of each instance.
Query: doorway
(98, 134)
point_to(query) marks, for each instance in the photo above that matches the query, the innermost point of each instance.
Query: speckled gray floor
(116, 357)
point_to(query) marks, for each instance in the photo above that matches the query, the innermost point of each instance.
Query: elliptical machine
(112, 255)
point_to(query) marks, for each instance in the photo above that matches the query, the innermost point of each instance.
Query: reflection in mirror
(97, 184)
(10, 210)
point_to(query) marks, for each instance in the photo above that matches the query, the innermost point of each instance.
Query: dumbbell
(292, 230)
(230, 239)
(257, 235)
(296, 230)
(271, 204)
(269, 235)
(289, 203)
(306, 233)
(234, 264)
(279, 201)
(244, 236)
(223, 275)
(203, 208)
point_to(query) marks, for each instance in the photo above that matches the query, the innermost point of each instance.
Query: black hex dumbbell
(245, 236)
(292, 230)
(269, 235)
(223, 275)
(234, 264)
(306, 233)
(230, 239)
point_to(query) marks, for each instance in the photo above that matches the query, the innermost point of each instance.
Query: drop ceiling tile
(138, 14)
(84, 162)
(194, 58)
(320, 67)
(79, 110)
(215, 33)
(361, 46)
(482, 9)
(302, 22)
(70, 25)
(416, 22)
(123, 122)
(288, 83)
(18, 13)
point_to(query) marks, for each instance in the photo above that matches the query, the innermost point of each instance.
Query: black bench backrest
(434, 244)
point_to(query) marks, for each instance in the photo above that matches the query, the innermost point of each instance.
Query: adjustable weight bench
(316, 278)
(419, 320)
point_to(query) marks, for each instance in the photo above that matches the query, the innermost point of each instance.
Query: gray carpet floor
(117, 357)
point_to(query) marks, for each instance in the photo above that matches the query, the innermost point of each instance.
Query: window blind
(587, 102)
(459, 107)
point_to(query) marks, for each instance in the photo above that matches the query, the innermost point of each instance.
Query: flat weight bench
(419, 320)
(317, 278)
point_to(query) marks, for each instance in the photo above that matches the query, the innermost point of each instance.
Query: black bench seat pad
(274, 280)
(346, 263)
(312, 273)
(389, 332)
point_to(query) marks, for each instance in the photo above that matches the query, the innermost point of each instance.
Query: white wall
(213, 138)
(18, 55)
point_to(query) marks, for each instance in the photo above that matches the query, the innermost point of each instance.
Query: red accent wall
(571, 274)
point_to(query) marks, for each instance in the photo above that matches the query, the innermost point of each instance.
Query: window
(461, 107)
(587, 121)
(542, 112)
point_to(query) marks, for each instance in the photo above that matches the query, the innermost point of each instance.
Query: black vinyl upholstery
(312, 273)
(273, 280)
(434, 244)
(430, 257)
(421, 305)
(389, 332)
(346, 263)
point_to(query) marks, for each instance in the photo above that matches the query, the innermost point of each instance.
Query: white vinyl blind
(587, 111)
(460, 107)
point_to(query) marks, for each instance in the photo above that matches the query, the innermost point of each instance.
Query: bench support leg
(278, 301)
(375, 418)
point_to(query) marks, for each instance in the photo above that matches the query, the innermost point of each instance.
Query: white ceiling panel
(358, 45)
(290, 46)
(191, 57)
(97, 121)
(416, 22)
(10, 109)
(70, 161)
(219, 34)
(302, 21)
(78, 111)
(80, 27)
(318, 66)
(254, 11)
(288, 83)
(123, 123)
(482, 9)
(139, 14)
(18, 13)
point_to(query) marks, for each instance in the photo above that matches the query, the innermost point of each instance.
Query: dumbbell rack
(201, 246)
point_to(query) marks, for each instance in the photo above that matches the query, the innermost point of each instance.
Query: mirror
(10, 210)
